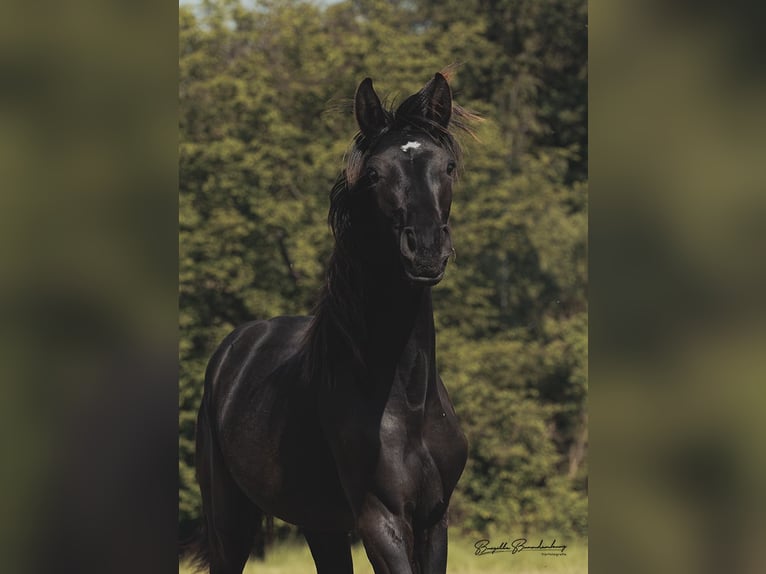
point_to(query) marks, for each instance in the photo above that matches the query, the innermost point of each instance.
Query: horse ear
(368, 110)
(438, 100)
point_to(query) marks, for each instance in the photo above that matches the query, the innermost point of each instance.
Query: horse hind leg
(230, 519)
(331, 551)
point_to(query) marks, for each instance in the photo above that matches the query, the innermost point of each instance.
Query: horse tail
(196, 547)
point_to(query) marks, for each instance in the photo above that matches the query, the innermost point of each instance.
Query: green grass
(294, 558)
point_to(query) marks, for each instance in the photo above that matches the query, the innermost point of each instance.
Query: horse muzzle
(425, 253)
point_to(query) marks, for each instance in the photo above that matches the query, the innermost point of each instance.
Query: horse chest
(408, 473)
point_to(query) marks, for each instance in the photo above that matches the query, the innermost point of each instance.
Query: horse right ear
(369, 112)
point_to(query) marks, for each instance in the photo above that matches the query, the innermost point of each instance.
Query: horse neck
(371, 317)
(399, 323)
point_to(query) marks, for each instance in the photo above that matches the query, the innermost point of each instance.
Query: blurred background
(88, 286)
(677, 330)
(89, 277)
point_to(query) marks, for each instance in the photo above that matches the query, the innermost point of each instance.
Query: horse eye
(450, 167)
(372, 175)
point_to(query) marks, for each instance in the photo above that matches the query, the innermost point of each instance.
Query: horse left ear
(368, 110)
(438, 100)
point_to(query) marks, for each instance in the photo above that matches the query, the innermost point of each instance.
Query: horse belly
(283, 464)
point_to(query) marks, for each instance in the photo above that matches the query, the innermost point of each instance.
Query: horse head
(404, 165)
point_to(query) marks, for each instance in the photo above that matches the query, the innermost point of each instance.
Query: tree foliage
(265, 119)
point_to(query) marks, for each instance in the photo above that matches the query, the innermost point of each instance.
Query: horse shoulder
(247, 357)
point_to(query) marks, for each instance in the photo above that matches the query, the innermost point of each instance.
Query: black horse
(340, 421)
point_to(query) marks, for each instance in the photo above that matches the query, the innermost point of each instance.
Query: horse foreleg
(431, 548)
(387, 538)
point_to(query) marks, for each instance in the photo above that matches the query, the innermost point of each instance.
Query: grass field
(294, 558)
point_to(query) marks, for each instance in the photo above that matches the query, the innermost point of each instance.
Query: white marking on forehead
(410, 145)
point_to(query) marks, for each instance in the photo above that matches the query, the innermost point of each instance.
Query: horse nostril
(410, 240)
(445, 229)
